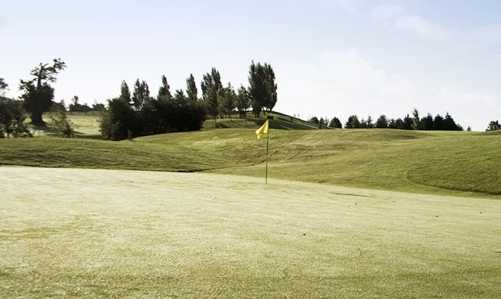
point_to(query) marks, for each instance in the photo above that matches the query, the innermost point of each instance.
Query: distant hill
(277, 121)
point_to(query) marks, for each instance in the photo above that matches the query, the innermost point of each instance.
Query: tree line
(138, 114)
(408, 122)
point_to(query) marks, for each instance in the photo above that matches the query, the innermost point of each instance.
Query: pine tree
(408, 123)
(352, 122)
(141, 95)
(125, 92)
(427, 123)
(416, 121)
(227, 100)
(382, 122)
(369, 125)
(243, 101)
(263, 88)
(191, 88)
(164, 90)
(335, 123)
(211, 90)
(438, 123)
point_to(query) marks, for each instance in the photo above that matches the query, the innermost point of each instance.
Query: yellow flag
(263, 130)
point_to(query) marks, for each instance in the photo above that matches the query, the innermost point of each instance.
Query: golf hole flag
(263, 130)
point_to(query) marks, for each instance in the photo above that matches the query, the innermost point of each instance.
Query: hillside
(436, 162)
(86, 125)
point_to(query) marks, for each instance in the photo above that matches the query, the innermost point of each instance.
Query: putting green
(112, 233)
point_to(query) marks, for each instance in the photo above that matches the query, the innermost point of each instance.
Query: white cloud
(386, 12)
(396, 16)
(345, 82)
(342, 83)
(422, 27)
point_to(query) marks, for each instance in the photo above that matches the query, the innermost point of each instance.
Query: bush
(177, 114)
(12, 119)
(63, 127)
(118, 120)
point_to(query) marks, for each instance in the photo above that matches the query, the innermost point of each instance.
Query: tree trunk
(36, 119)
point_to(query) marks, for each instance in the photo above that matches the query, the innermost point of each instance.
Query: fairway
(119, 233)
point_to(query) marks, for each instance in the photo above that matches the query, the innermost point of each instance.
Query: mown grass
(412, 161)
(383, 159)
(113, 234)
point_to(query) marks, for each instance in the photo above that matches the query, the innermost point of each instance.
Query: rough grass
(433, 162)
(97, 233)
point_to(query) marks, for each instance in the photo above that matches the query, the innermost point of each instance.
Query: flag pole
(267, 156)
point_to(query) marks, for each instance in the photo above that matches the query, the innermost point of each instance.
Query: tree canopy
(262, 87)
(37, 92)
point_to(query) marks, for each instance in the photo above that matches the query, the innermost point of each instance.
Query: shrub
(166, 114)
(12, 119)
(62, 126)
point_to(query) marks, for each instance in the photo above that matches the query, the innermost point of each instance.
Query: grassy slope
(384, 159)
(74, 233)
(395, 160)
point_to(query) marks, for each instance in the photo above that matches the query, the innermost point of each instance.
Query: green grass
(277, 121)
(86, 125)
(113, 234)
(432, 162)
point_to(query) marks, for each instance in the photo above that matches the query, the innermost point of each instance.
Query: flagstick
(267, 146)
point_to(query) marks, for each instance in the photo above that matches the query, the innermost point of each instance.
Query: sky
(331, 58)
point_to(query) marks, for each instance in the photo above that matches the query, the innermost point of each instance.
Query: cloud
(422, 27)
(343, 83)
(386, 12)
(397, 17)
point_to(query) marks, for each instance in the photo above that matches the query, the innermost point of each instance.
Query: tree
(12, 119)
(119, 122)
(227, 100)
(3, 85)
(164, 90)
(448, 124)
(382, 122)
(243, 101)
(397, 124)
(191, 88)
(416, 121)
(98, 107)
(315, 121)
(438, 122)
(323, 123)
(125, 92)
(335, 123)
(211, 90)
(63, 127)
(494, 126)
(37, 92)
(427, 123)
(75, 106)
(352, 122)
(141, 94)
(367, 124)
(408, 123)
(263, 88)
(58, 106)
